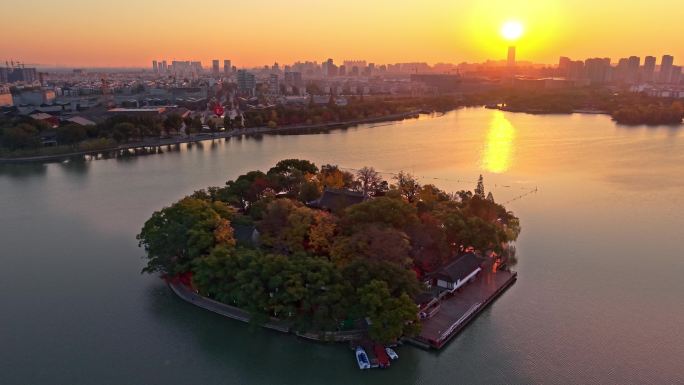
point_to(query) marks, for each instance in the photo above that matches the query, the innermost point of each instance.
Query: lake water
(599, 297)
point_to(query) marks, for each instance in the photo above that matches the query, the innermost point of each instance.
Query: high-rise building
(620, 71)
(293, 79)
(22, 74)
(246, 83)
(273, 84)
(649, 69)
(227, 67)
(154, 66)
(676, 75)
(597, 70)
(665, 69)
(564, 66)
(329, 68)
(633, 64)
(215, 69)
(511, 56)
(576, 70)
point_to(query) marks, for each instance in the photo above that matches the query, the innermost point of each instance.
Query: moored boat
(391, 353)
(362, 358)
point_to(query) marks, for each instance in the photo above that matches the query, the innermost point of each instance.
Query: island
(336, 255)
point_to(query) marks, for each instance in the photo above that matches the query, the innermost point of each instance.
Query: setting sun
(512, 30)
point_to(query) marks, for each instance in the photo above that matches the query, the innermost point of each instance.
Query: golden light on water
(498, 150)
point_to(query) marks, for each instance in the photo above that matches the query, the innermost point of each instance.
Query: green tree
(173, 123)
(188, 229)
(71, 134)
(196, 125)
(212, 125)
(22, 136)
(383, 210)
(122, 132)
(287, 166)
(391, 316)
(480, 190)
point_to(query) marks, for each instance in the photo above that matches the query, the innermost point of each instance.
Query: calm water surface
(599, 297)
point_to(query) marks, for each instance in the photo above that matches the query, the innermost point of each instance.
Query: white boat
(362, 358)
(392, 354)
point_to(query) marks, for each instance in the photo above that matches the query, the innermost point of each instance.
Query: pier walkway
(457, 310)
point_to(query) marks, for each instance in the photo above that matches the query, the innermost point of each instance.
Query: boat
(381, 355)
(362, 358)
(391, 353)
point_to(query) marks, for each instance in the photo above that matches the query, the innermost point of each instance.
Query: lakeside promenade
(161, 142)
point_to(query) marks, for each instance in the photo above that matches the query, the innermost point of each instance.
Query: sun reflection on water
(498, 150)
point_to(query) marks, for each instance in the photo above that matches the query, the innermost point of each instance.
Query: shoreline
(533, 111)
(287, 130)
(188, 295)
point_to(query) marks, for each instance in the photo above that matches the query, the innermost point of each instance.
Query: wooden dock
(458, 310)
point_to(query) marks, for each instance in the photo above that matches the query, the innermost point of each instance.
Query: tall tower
(511, 56)
(649, 69)
(665, 69)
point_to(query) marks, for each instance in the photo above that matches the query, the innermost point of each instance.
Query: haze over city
(74, 33)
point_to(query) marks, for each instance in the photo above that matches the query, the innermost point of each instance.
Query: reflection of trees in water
(76, 165)
(254, 137)
(22, 170)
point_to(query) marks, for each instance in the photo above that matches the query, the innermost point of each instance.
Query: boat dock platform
(458, 309)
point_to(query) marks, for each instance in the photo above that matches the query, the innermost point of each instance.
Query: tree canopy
(315, 268)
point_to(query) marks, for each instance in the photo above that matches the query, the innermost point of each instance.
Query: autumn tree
(369, 179)
(408, 186)
(373, 242)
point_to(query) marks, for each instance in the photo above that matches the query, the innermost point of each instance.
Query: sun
(512, 30)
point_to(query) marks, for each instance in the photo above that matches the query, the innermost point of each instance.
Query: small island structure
(332, 255)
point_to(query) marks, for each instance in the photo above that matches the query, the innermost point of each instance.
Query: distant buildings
(440, 82)
(626, 71)
(227, 67)
(18, 74)
(215, 69)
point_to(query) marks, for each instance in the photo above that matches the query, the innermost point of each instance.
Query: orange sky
(256, 32)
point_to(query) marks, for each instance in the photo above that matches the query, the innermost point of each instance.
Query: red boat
(381, 354)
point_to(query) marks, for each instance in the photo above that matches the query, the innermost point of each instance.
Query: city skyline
(435, 31)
